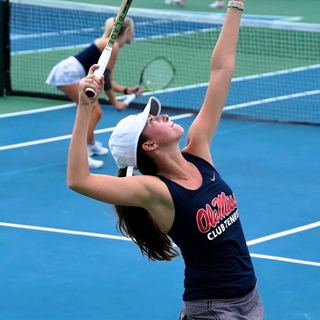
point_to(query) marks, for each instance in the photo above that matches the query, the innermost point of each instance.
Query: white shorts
(67, 72)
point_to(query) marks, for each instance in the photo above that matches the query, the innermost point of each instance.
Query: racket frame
(145, 85)
(147, 88)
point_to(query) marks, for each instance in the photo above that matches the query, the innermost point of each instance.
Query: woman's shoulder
(198, 151)
(102, 42)
(152, 183)
(196, 159)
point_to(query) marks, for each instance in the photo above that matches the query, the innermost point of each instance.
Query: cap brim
(153, 107)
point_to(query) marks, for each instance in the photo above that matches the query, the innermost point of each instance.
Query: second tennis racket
(157, 74)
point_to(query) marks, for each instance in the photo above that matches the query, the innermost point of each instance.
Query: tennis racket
(106, 53)
(157, 74)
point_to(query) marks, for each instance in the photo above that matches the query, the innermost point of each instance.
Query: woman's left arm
(221, 71)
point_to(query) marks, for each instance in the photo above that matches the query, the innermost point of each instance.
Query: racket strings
(158, 74)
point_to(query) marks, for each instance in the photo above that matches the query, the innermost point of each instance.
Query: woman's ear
(149, 146)
(128, 30)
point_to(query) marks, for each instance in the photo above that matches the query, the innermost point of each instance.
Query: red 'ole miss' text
(219, 208)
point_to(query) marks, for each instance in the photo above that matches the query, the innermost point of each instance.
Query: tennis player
(179, 193)
(67, 74)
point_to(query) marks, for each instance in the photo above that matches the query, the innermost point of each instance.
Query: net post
(5, 84)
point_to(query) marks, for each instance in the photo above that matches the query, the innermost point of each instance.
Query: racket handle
(129, 98)
(103, 61)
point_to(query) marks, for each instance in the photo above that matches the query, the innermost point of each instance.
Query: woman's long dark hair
(137, 223)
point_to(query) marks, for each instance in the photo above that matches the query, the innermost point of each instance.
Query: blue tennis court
(61, 256)
(63, 259)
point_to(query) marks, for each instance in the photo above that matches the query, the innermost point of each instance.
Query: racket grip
(102, 62)
(129, 98)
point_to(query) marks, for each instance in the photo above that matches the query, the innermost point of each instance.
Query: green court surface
(307, 10)
(16, 104)
(282, 58)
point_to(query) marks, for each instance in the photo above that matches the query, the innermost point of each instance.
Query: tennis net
(277, 75)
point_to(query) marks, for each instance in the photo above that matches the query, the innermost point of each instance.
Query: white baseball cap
(125, 136)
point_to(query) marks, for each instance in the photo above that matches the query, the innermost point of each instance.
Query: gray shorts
(247, 307)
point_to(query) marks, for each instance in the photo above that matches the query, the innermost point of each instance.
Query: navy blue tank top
(208, 231)
(88, 56)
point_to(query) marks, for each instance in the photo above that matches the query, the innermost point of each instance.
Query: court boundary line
(254, 17)
(283, 259)
(63, 231)
(68, 136)
(199, 85)
(284, 233)
(250, 16)
(122, 238)
(194, 86)
(32, 111)
(273, 99)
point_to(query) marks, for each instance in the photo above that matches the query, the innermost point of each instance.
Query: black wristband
(125, 91)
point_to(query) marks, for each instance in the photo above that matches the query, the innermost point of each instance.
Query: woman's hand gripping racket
(106, 53)
(156, 75)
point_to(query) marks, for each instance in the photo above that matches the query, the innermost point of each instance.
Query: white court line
(68, 136)
(284, 233)
(35, 142)
(245, 78)
(106, 236)
(274, 99)
(239, 79)
(63, 231)
(264, 256)
(23, 113)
